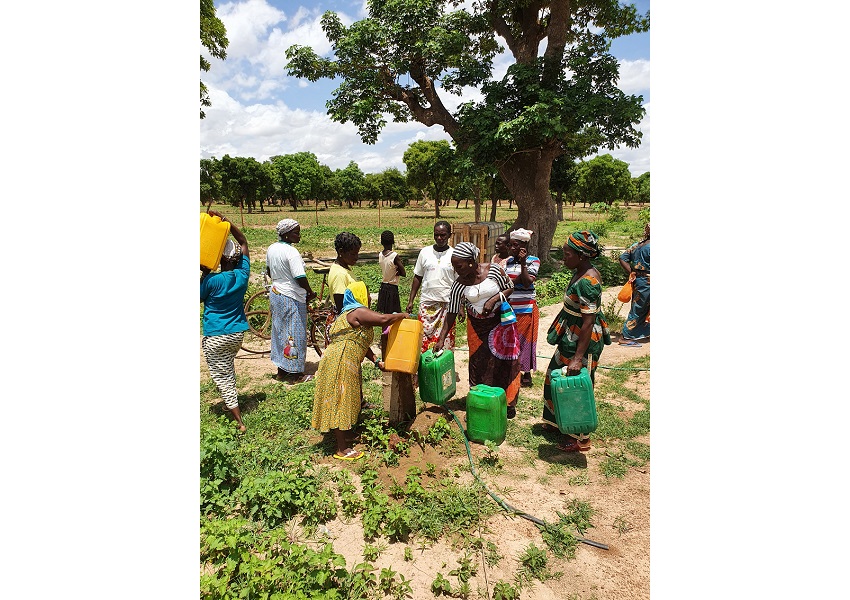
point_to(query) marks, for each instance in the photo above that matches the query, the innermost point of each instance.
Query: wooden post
(399, 399)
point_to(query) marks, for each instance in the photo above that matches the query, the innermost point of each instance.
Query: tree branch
(436, 114)
(557, 31)
(501, 27)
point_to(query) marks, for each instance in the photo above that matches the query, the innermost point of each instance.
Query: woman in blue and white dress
(288, 299)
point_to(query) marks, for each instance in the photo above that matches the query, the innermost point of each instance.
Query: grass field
(413, 227)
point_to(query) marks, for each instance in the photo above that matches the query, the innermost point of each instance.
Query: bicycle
(320, 315)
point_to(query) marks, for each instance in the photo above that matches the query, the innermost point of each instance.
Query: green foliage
(535, 563)
(641, 183)
(441, 586)
(559, 537)
(579, 514)
(616, 214)
(605, 179)
(437, 431)
(219, 474)
(214, 39)
(242, 561)
(622, 525)
(277, 496)
(372, 553)
(491, 458)
(505, 591)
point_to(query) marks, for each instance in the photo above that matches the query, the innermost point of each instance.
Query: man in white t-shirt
(434, 276)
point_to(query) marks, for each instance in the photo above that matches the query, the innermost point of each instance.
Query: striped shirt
(474, 296)
(522, 299)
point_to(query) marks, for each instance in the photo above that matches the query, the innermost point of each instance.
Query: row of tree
(434, 172)
(558, 100)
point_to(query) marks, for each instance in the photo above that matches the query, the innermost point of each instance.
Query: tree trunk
(477, 203)
(559, 200)
(492, 199)
(527, 177)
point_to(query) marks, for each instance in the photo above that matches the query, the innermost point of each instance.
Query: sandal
(350, 455)
(525, 380)
(574, 446)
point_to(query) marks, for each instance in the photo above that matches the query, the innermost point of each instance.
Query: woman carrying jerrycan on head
(224, 322)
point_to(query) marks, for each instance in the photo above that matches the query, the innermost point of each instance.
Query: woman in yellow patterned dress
(339, 392)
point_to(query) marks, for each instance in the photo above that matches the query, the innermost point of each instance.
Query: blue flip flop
(631, 344)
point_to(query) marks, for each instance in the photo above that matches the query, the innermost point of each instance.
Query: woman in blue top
(635, 262)
(223, 295)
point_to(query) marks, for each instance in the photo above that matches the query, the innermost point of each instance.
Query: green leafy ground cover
(267, 495)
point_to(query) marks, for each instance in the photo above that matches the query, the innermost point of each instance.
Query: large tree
(397, 62)
(214, 39)
(210, 181)
(642, 185)
(605, 179)
(351, 183)
(430, 168)
(296, 177)
(245, 181)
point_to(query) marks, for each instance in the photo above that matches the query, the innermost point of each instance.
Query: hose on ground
(498, 500)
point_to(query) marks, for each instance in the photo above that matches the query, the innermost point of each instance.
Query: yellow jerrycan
(404, 346)
(214, 234)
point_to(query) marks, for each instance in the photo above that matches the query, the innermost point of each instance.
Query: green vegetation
(265, 498)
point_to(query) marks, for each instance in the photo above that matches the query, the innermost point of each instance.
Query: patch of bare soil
(540, 482)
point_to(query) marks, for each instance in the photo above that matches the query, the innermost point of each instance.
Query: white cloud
(246, 24)
(634, 76)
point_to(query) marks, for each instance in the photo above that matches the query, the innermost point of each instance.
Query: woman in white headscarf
(288, 299)
(522, 269)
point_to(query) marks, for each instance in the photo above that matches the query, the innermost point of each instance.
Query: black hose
(501, 502)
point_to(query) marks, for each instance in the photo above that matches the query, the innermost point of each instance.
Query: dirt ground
(539, 487)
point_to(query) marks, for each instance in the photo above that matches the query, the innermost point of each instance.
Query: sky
(259, 111)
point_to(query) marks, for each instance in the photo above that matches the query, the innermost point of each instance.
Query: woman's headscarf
(585, 243)
(521, 234)
(466, 251)
(285, 226)
(232, 250)
(356, 296)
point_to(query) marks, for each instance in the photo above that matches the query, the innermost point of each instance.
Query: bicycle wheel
(319, 338)
(259, 316)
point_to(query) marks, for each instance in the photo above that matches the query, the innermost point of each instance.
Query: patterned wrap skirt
(220, 352)
(339, 388)
(527, 324)
(289, 332)
(636, 326)
(432, 315)
(493, 354)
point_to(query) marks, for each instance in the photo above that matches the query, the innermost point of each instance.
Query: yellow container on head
(214, 235)
(404, 346)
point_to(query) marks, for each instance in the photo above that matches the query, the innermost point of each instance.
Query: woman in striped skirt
(224, 322)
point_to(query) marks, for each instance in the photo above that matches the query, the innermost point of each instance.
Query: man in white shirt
(434, 276)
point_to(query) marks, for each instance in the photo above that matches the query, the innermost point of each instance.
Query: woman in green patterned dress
(580, 329)
(339, 393)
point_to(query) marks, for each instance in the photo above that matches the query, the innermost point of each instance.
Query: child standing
(391, 269)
